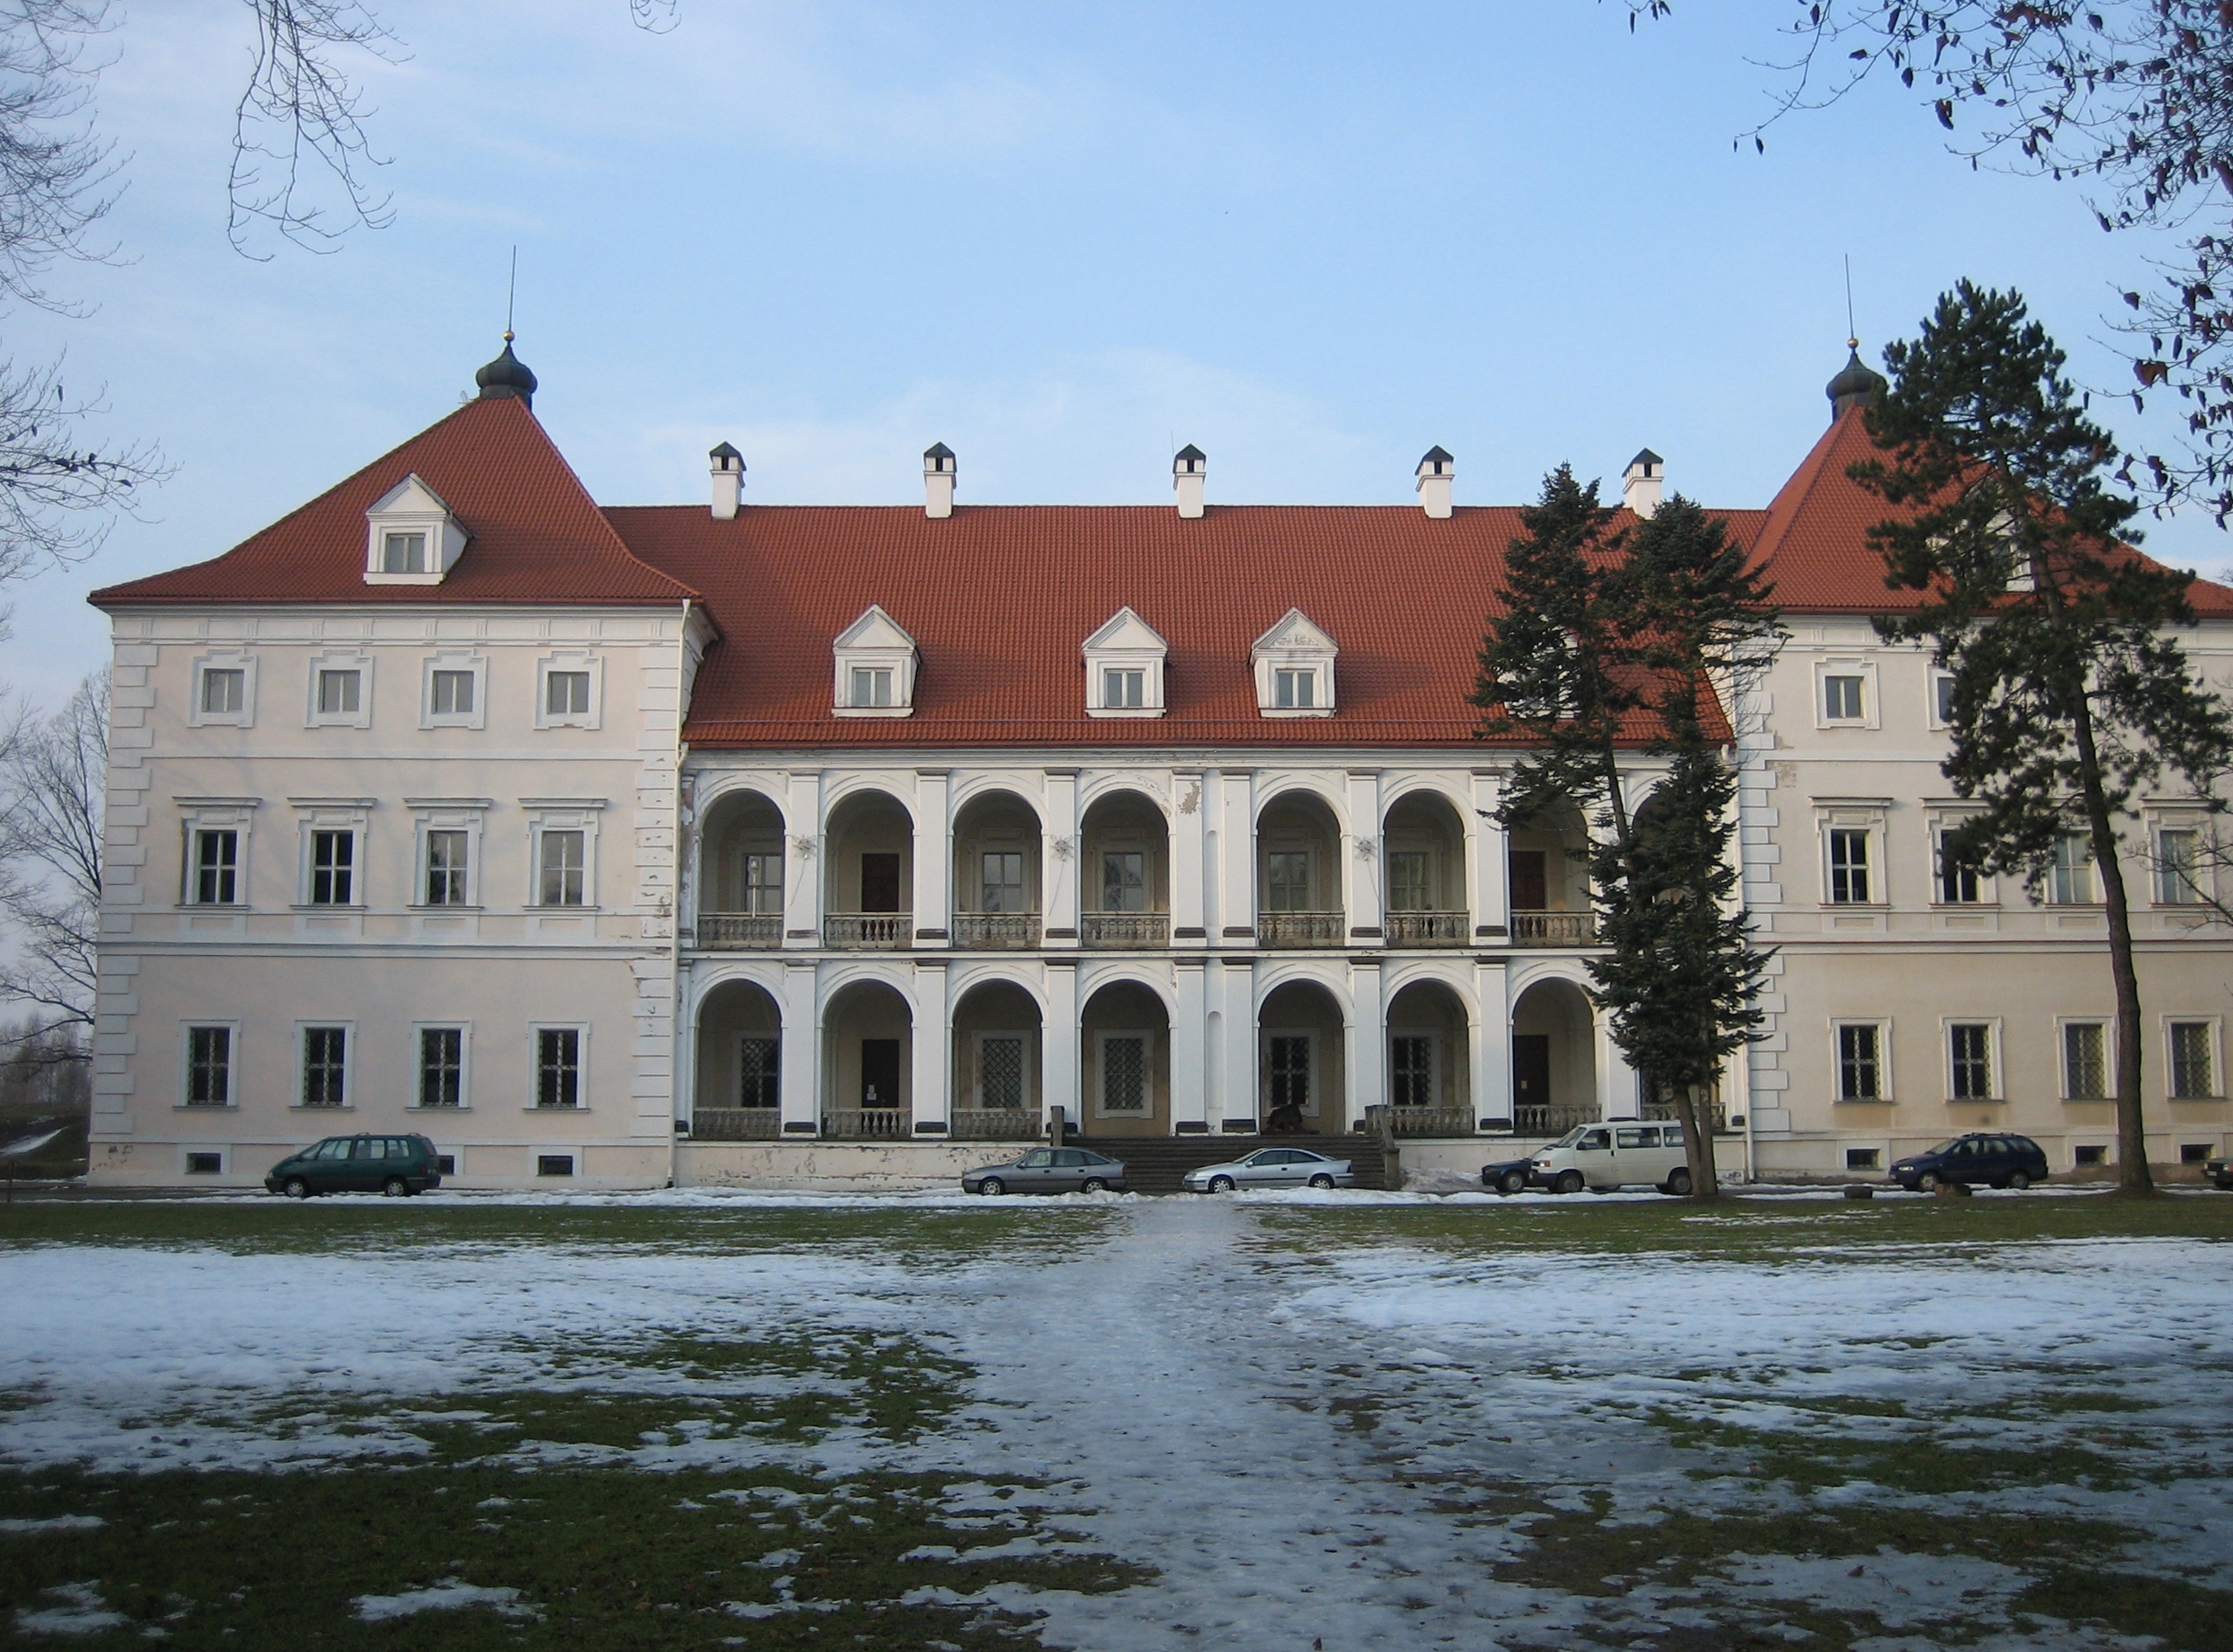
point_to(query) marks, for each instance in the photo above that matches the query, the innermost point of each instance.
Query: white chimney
(1189, 470)
(939, 476)
(1435, 471)
(1640, 485)
(728, 480)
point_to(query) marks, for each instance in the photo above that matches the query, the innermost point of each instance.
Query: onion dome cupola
(1857, 385)
(507, 377)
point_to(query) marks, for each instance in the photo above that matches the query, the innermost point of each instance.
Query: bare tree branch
(300, 117)
(53, 792)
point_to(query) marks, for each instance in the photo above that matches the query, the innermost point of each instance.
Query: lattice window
(756, 1068)
(1000, 1073)
(1123, 1074)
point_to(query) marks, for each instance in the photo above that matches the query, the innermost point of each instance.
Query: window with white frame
(1842, 697)
(341, 691)
(871, 688)
(323, 1081)
(454, 693)
(561, 1054)
(562, 838)
(207, 1053)
(1123, 690)
(2192, 1062)
(1412, 1070)
(1970, 1061)
(1124, 668)
(1849, 862)
(569, 690)
(1004, 1071)
(2178, 866)
(1294, 689)
(1864, 1067)
(1286, 880)
(1941, 700)
(449, 832)
(449, 859)
(1845, 692)
(1294, 663)
(875, 661)
(1127, 1078)
(213, 866)
(333, 868)
(1124, 881)
(2085, 1060)
(2070, 879)
(223, 690)
(442, 1065)
(1958, 883)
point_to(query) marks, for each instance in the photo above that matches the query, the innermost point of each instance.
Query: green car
(395, 1165)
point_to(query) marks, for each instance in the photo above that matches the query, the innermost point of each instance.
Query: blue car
(1510, 1176)
(1998, 1161)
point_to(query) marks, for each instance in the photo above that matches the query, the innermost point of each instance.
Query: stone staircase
(1159, 1164)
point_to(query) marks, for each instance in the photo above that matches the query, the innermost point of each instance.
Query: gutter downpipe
(674, 920)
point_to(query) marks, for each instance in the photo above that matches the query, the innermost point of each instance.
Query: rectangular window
(216, 868)
(403, 554)
(1000, 1070)
(1849, 866)
(1003, 882)
(1860, 1063)
(442, 1066)
(557, 1067)
(2085, 1061)
(563, 857)
(763, 884)
(1863, 1158)
(566, 694)
(223, 690)
(1971, 1048)
(333, 868)
(1530, 876)
(325, 1066)
(1942, 698)
(205, 1163)
(2197, 1152)
(554, 1165)
(1409, 889)
(1290, 1065)
(1958, 883)
(1123, 1073)
(2177, 855)
(209, 1066)
(453, 694)
(879, 882)
(757, 1072)
(1842, 700)
(337, 693)
(1286, 875)
(2072, 882)
(1294, 690)
(1411, 1066)
(1123, 691)
(871, 685)
(2193, 1074)
(446, 853)
(1124, 881)
(2087, 1157)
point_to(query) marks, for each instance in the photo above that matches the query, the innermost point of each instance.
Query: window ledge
(457, 909)
(1856, 906)
(326, 906)
(2194, 1098)
(532, 911)
(1977, 1100)
(321, 1107)
(463, 1108)
(1864, 1101)
(873, 711)
(204, 1106)
(1965, 906)
(532, 1106)
(212, 906)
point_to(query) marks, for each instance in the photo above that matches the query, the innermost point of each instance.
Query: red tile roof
(538, 537)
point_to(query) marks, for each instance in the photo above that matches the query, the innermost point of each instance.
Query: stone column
(1491, 1043)
(1484, 858)
(799, 1086)
(1619, 1094)
(1365, 1063)
(1189, 886)
(1234, 923)
(804, 873)
(1242, 1104)
(934, 858)
(1361, 859)
(1059, 1041)
(1189, 1072)
(1060, 854)
(931, 1042)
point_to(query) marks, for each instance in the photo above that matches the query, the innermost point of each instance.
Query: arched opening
(1430, 1069)
(1423, 866)
(740, 875)
(740, 1061)
(1125, 1060)
(1547, 857)
(1299, 874)
(868, 1063)
(997, 1052)
(868, 872)
(1301, 1062)
(1554, 1060)
(1125, 875)
(997, 872)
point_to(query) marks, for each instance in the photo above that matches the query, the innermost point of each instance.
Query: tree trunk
(2132, 1130)
(1695, 1106)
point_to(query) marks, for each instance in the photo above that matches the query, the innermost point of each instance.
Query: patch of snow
(447, 1595)
(55, 1522)
(27, 1145)
(81, 1612)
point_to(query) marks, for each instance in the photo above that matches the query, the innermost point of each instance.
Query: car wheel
(1321, 1181)
(1568, 1181)
(1678, 1183)
(2018, 1182)
(1093, 1185)
(295, 1187)
(1928, 1182)
(2225, 1183)
(1221, 1183)
(1512, 1182)
(395, 1187)
(992, 1187)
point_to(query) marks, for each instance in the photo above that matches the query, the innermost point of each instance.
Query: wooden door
(879, 882)
(879, 1072)
(1531, 1069)
(1530, 881)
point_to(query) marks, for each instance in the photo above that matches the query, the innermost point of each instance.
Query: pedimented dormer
(1124, 668)
(1294, 669)
(411, 535)
(876, 668)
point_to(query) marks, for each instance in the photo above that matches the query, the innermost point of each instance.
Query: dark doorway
(1531, 1067)
(880, 1073)
(879, 882)
(1530, 883)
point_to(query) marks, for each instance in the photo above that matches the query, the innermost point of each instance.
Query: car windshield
(1573, 1135)
(1947, 1146)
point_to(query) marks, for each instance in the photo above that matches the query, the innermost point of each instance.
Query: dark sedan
(1998, 1161)
(2219, 1171)
(1049, 1170)
(1510, 1176)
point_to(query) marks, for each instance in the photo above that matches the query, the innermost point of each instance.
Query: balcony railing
(1431, 1121)
(1550, 1119)
(1299, 929)
(868, 930)
(736, 1124)
(994, 931)
(996, 1124)
(1554, 929)
(868, 1124)
(1125, 928)
(740, 932)
(1425, 929)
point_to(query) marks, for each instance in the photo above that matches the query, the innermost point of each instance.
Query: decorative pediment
(1294, 663)
(875, 659)
(411, 537)
(1124, 668)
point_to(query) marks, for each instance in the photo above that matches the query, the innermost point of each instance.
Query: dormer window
(1293, 663)
(411, 538)
(876, 668)
(1124, 668)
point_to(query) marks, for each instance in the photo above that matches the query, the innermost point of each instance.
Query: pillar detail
(1064, 845)
(1241, 1034)
(1366, 1063)
(799, 1087)
(934, 858)
(1234, 923)
(1362, 870)
(1059, 1042)
(1484, 857)
(931, 1041)
(1188, 1034)
(1491, 1041)
(1189, 816)
(803, 871)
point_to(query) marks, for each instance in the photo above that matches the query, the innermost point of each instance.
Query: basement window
(2090, 1156)
(205, 1163)
(2194, 1152)
(1863, 1158)
(554, 1165)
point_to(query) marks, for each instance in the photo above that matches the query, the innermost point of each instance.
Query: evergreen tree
(2069, 700)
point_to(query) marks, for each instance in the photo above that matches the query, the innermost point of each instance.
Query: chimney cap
(724, 451)
(1188, 460)
(1649, 460)
(1434, 461)
(940, 456)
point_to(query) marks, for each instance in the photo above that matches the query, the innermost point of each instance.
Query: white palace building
(796, 845)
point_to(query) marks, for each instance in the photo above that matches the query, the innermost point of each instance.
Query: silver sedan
(1049, 1170)
(1272, 1167)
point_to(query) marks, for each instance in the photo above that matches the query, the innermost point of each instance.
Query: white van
(1603, 1158)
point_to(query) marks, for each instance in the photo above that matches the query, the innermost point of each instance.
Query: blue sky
(1314, 239)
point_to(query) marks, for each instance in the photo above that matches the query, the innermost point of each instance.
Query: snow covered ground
(1330, 1441)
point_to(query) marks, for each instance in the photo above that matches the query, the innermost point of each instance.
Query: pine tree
(2068, 700)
